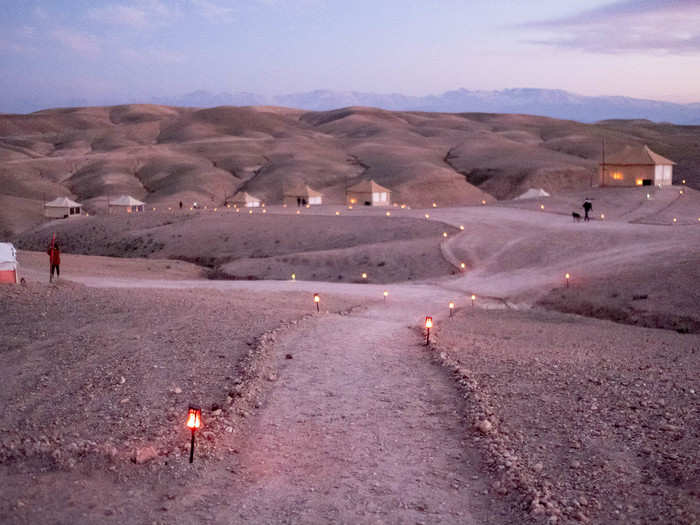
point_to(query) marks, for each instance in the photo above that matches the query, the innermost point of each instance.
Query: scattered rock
(144, 454)
(484, 426)
(289, 356)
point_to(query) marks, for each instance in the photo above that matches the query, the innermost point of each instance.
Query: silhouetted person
(587, 207)
(180, 204)
(298, 202)
(54, 260)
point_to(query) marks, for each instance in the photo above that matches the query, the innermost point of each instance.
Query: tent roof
(126, 200)
(62, 202)
(302, 191)
(243, 196)
(636, 156)
(7, 252)
(368, 186)
(533, 193)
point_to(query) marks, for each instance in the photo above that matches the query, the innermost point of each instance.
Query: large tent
(243, 199)
(61, 208)
(8, 263)
(636, 166)
(368, 193)
(125, 204)
(301, 196)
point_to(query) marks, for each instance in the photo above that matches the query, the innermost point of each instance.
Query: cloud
(138, 14)
(151, 55)
(213, 11)
(661, 26)
(81, 43)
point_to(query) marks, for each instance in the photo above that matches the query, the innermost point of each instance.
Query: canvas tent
(61, 208)
(533, 193)
(368, 193)
(636, 166)
(8, 263)
(243, 199)
(301, 196)
(125, 204)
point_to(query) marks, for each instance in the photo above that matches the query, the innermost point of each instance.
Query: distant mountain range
(554, 103)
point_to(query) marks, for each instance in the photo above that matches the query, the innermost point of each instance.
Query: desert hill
(165, 154)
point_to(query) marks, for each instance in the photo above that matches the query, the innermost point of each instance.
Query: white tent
(61, 208)
(8, 263)
(533, 193)
(125, 204)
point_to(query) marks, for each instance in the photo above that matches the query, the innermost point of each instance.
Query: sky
(55, 52)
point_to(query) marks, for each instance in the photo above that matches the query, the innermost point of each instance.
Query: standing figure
(54, 260)
(587, 207)
(180, 204)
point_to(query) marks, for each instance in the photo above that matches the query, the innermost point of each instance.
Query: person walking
(54, 260)
(587, 207)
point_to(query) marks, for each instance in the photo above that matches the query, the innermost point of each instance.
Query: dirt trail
(359, 427)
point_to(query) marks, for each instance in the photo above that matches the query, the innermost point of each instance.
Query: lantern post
(428, 326)
(317, 301)
(386, 294)
(567, 276)
(194, 416)
(473, 299)
(452, 308)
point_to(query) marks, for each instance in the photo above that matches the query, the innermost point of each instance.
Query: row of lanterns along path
(194, 414)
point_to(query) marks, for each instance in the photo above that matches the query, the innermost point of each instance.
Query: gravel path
(360, 427)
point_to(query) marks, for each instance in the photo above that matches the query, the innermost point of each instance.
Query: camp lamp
(194, 422)
(451, 306)
(428, 326)
(317, 300)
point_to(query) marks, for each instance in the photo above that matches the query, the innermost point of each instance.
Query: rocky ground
(584, 420)
(95, 380)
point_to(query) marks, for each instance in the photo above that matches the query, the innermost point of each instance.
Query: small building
(125, 204)
(533, 193)
(61, 208)
(8, 263)
(243, 199)
(301, 196)
(636, 166)
(368, 193)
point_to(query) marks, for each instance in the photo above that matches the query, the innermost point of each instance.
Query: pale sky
(98, 51)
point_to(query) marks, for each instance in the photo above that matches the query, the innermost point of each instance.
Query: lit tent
(636, 166)
(301, 196)
(533, 193)
(8, 263)
(243, 199)
(61, 208)
(368, 193)
(125, 204)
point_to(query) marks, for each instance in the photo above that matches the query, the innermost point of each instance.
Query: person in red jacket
(54, 260)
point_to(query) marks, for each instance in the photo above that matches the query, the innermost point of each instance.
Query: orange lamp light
(428, 322)
(194, 418)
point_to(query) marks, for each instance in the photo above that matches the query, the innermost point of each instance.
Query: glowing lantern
(403, 206)
(451, 307)
(427, 216)
(675, 220)
(308, 206)
(638, 182)
(681, 192)
(434, 204)
(353, 201)
(602, 216)
(541, 206)
(250, 212)
(228, 205)
(264, 211)
(238, 210)
(215, 209)
(169, 208)
(294, 277)
(317, 300)
(483, 202)
(388, 214)
(364, 275)
(191, 208)
(349, 207)
(683, 181)
(337, 213)
(444, 234)
(462, 266)
(386, 294)
(194, 422)
(461, 227)
(154, 209)
(428, 326)
(473, 299)
(567, 276)
(298, 212)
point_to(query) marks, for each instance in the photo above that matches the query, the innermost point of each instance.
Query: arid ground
(529, 405)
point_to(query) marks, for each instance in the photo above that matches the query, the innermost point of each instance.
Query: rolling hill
(165, 154)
